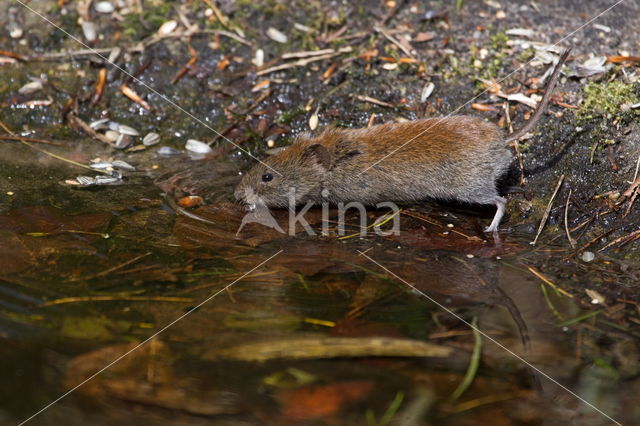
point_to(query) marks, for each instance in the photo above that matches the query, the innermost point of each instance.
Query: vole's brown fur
(452, 158)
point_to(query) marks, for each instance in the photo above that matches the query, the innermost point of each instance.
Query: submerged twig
(545, 216)
(32, 140)
(473, 363)
(50, 154)
(77, 299)
(316, 347)
(548, 282)
(114, 268)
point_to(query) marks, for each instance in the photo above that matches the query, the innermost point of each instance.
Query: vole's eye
(267, 177)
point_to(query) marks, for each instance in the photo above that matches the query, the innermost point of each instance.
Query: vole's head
(296, 173)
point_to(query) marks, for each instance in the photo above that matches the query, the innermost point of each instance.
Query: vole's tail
(545, 99)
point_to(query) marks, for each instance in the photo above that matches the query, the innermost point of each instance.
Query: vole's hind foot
(500, 203)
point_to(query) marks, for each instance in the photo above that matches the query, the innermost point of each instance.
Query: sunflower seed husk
(151, 139)
(197, 147)
(89, 30)
(29, 88)
(111, 135)
(588, 256)
(521, 32)
(101, 124)
(276, 35)
(123, 165)
(302, 28)
(167, 150)
(113, 125)
(115, 53)
(167, 27)
(14, 24)
(426, 91)
(104, 7)
(123, 141)
(106, 180)
(258, 60)
(313, 121)
(103, 165)
(86, 180)
(126, 130)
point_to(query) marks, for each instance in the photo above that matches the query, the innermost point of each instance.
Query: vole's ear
(347, 149)
(302, 137)
(320, 154)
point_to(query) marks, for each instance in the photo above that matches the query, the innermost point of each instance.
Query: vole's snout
(246, 197)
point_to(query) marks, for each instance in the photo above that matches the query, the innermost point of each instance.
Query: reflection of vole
(452, 158)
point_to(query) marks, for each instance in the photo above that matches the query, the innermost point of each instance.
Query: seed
(126, 130)
(190, 201)
(426, 91)
(106, 180)
(89, 30)
(119, 164)
(103, 165)
(167, 27)
(104, 7)
(167, 150)
(100, 124)
(123, 141)
(111, 135)
(258, 60)
(197, 147)
(276, 35)
(86, 180)
(588, 256)
(29, 88)
(151, 139)
(313, 121)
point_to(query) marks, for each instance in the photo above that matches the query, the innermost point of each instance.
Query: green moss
(287, 116)
(603, 100)
(499, 40)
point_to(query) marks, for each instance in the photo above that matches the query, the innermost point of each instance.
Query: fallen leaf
(322, 401)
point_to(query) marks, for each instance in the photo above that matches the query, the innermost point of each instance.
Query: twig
(545, 216)
(374, 101)
(306, 53)
(74, 119)
(303, 62)
(566, 221)
(631, 201)
(131, 94)
(400, 45)
(13, 55)
(184, 69)
(100, 85)
(624, 239)
(221, 18)
(139, 47)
